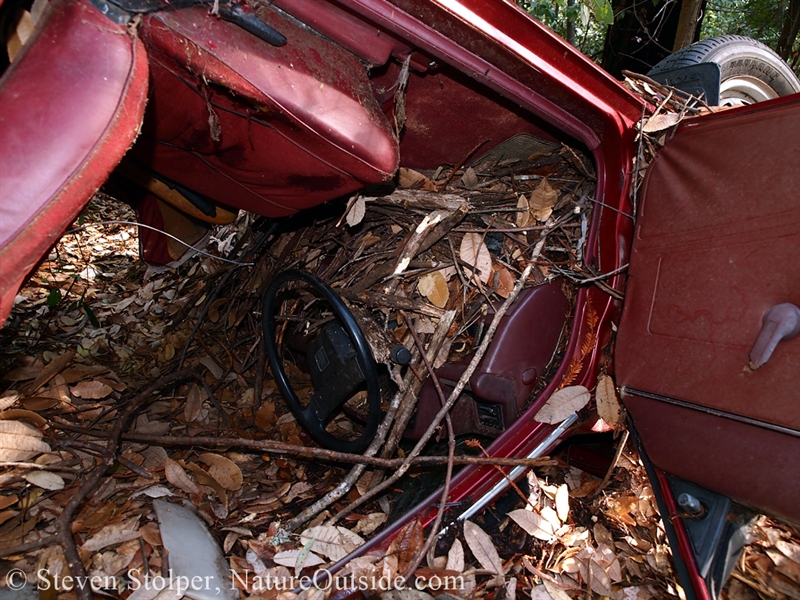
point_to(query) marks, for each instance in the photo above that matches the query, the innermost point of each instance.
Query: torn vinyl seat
(522, 348)
(70, 106)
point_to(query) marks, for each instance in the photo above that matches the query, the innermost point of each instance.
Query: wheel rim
(744, 90)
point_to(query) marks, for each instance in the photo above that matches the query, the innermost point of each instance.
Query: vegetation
(585, 23)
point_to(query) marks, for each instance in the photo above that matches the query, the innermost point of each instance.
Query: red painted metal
(70, 107)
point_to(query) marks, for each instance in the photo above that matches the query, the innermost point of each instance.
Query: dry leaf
(113, 534)
(288, 558)
(504, 281)
(45, 479)
(194, 402)
(475, 253)
(660, 122)
(455, 557)
(20, 442)
(265, 417)
(356, 212)
(608, 406)
(179, 478)
(370, 523)
(533, 523)
(470, 178)
(562, 503)
(562, 404)
(523, 211)
(409, 178)
(407, 543)
(226, 472)
(483, 548)
(542, 201)
(332, 542)
(433, 286)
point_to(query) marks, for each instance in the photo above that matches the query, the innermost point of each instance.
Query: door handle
(780, 322)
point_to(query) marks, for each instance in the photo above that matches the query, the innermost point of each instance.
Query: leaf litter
(94, 326)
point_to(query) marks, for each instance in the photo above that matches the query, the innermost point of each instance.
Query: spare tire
(751, 72)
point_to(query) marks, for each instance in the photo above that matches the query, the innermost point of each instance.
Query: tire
(751, 72)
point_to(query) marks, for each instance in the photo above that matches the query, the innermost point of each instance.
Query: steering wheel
(340, 361)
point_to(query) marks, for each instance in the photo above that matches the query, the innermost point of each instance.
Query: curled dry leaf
(433, 286)
(226, 472)
(265, 417)
(542, 201)
(179, 478)
(475, 253)
(660, 122)
(523, 211)
(503, 280)
(483, 548)
(562, 503)
(20, 442)
(534, 524)
(409, 178)
(370, 523)
(407, 543)
(562, 404)
(608, 406)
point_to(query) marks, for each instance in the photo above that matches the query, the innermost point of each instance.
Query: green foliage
(759, 19)
(53, 298)
(590, 19)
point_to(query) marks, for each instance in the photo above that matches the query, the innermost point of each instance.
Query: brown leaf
(409, 178)
(660, 122)
(455, 557)
(179, 478)
(562, 404)
(433, 286)
(407, 544)
(608, 406)
(20, 442)
(523, 211)
(223, 470)
(542, 200)
(475, 253)
(91, 390)
(483, 548)
(51, 370)
(194, 402)
(533, 523)
(265, 417)
(504, 281)
(470, 178)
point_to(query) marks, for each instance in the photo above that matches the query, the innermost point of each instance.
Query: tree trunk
(642, 35)
(791, 24)
(687, 24)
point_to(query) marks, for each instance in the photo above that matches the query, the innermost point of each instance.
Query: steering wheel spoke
(340, 363)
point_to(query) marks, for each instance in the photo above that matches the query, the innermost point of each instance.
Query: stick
(64, 521)
(462, 382)
(451, 450)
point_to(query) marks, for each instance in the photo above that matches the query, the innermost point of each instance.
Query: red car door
(717, 245)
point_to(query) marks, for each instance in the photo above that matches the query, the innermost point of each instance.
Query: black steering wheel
(340, 361)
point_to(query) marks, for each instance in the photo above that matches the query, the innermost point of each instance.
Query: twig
(318, 453)
(64, 521)
(612, 466)
(462, 382)
(451, 450)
